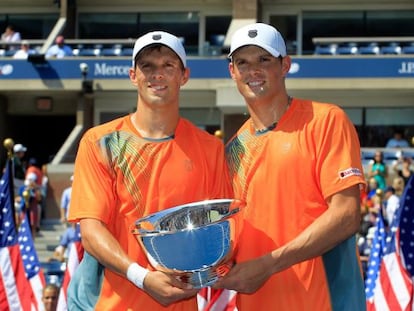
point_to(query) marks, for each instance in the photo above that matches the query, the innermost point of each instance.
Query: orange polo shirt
(120, 177)
(285, 176)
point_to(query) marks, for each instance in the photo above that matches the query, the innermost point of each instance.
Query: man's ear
(231, 70)
(186, 76)
(286, 63)
(132, 76)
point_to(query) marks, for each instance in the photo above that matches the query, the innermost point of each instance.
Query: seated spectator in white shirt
(59, 49)
(391, 202)
(24, 51)
(10, 35)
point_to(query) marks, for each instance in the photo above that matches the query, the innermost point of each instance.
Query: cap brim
(267, 48)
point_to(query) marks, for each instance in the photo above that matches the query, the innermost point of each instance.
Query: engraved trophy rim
(142, 229)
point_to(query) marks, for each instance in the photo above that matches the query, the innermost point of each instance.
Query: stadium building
(357, 54)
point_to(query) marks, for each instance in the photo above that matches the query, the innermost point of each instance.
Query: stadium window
(132, 25)
(390, 23)
(287, 25)
(356, 24)
(216, 29)
(107, 25)
(31, 25)
(330, 24)
(181, 24)
(380, 123)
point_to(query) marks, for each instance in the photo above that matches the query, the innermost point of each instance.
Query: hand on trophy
(166, 288)
(247, 277)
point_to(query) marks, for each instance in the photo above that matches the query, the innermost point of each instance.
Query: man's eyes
(264, 59)
(151, 66)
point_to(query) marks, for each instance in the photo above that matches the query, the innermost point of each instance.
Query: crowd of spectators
(385, 186)
(30, 188)
(14, 46)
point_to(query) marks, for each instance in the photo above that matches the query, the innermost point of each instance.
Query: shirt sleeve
(92, 189)
(339, 162)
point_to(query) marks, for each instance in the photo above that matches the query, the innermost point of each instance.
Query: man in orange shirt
(297, 165)
(133, 166)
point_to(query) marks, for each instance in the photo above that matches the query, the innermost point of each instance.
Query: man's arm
(339, 222)
(100, 243)
(63, 206)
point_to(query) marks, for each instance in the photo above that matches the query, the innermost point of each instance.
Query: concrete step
(48, 238)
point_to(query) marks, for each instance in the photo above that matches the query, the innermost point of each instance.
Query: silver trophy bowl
(194, 241)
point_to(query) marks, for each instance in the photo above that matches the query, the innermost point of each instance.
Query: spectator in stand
(373, 203)
(367, 205)
(50, 297)
(365, 246)
(379, 170)
(398, 184)
(24, 51)
(403, 168)
(18, 209)
(33, 168)
(59, 49)
(371, 188)
(32, 196)
(398, 140)
(45, 185)
(391, 203)
(10, 36)
(61, 252)
(19, 166)
(65, 202)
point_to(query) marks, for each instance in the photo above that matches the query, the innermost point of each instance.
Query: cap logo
(156, 37)
(252, 33)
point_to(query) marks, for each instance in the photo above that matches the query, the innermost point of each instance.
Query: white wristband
(136, 274)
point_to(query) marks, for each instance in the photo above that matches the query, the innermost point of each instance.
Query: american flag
(34, 273)
(74, 258)
(209, 299)
(15, 291)
(389, 284)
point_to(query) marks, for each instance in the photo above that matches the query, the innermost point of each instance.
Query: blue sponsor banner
(306, 67)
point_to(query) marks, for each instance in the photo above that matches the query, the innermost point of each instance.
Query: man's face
(158, 75)
(257, 73)
(20, 154)
(50, 299)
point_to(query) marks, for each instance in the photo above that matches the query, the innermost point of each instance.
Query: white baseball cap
(262, 35)
(19, 148)
(160, 37)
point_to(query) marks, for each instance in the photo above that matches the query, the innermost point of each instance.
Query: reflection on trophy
(195, 241)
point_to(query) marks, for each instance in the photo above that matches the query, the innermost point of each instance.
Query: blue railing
(213, 67)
